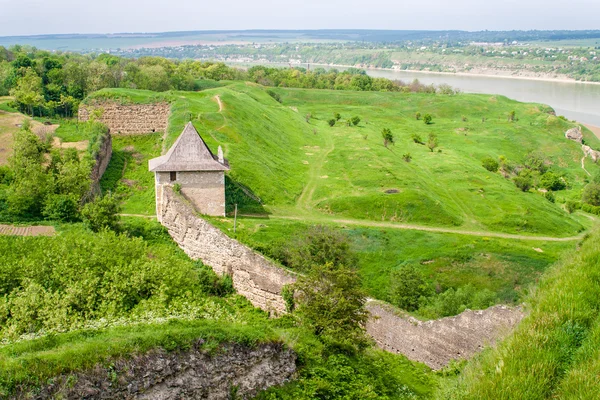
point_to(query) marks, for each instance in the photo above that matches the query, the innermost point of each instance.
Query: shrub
(490, 164)
(536, 162)
(337, 116)
(454, 301)
(307, 117)
(417, 138)
(355, 120)
(61, 207)
(523, 181)
(571, 206)
(318, 246)
(591, 194)
(388, 138)
(274, 95)
(418, 116)
(6, 175)
(432, 142)
(331, 122)
(550, 197)
(551, 181)
(177, 188)
(427, 119)
(102, 213)
(408, 287)
(406, 157)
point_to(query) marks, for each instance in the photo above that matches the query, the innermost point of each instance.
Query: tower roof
(188, 153)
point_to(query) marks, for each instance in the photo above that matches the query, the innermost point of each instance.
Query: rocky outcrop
(235, 371)
(128, 119)
(575, 134)
(435, 343)
(254, 277)
(591, 153)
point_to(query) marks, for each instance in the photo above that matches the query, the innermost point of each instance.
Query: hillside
(443, 212)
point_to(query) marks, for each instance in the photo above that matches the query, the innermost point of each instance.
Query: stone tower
(191, 164)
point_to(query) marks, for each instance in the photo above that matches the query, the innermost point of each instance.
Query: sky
(32, 17)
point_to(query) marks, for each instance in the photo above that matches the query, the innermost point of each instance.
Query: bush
(523, 181)
(417, 138)
(551, 181)
(408, 287)
(274, 95)
(432, 142)
(454, 301)
(6, 175)
(331, 122)
(337, 116)
(550, 197)
(318, 246)
(490, 164)
(427, 119)
(102, 213)
(572, 206)
(388, 137)
(406, 157)
(355, 120)
(61, 207)
(418, 116)
(591, 194)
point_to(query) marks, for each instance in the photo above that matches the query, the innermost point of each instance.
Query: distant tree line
(52, 84)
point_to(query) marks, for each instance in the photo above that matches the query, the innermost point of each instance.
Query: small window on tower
(173, 176)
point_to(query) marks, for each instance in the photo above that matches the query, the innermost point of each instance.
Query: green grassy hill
(306, 172)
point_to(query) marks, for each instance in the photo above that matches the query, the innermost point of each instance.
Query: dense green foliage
(45, 182)
(554, 351)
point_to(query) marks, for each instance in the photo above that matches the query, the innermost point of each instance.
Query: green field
(442, 212)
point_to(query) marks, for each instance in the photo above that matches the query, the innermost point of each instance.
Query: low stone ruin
(128, 119)
(591, 153)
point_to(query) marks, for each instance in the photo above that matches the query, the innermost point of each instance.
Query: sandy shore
(594, 129)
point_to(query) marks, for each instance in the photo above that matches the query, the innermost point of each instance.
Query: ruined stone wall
(437, 342)
(128, 119)
(434, 343)
(101, 163)
(190, 374)
(254, 277)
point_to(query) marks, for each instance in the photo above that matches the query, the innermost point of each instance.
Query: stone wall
(101, 163)
(128, 119)
(190, 374)
(434, 343)
(254, 277)
(437, 342)
(204, 189)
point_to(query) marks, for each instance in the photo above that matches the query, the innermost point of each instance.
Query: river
(575, 100)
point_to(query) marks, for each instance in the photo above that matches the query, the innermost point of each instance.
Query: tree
(591, 194)
(418, 116)
(408, 286)
(355, 120)
(331, 122)
(102, 213)
(337, 116)
(406, 157)
(28, 92)
(512, 116)
(432, 142)
(318, 246)
(417, 138)
(427, 118)
(330, 302)
(388, 138)
(552, 181)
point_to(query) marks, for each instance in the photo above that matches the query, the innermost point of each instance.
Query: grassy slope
(277, 154)
(554, 352)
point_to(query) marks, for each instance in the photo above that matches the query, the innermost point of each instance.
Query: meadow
(442, 211)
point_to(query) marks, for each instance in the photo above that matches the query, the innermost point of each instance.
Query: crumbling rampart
(128, 119)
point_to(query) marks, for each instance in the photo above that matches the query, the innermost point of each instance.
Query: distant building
(200, 174)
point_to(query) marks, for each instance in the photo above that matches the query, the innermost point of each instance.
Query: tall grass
(554, 353)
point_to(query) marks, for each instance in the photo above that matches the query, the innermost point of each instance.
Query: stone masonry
(254, 277)
(434, 343)
(128, 119)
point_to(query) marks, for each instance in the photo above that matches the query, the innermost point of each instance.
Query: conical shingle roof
(188, 153)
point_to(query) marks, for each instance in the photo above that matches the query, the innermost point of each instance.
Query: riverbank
(475, 73)
(595, 129)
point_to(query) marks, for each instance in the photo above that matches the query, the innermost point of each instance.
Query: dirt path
(395, 225)
(34, 230)
(219, 102)
(315, 174)
(583, 166)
